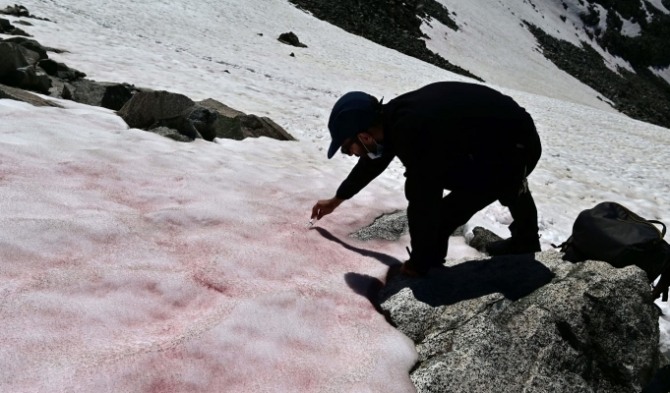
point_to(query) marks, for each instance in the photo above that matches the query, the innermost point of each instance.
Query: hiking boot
(409, 271)
(513, 246)
(412, 269)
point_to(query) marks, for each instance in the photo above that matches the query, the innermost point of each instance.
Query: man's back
(457, 131)
(455, 100)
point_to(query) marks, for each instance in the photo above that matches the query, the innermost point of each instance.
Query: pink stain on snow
(143, 270)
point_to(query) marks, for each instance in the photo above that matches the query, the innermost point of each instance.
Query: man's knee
(510, 195)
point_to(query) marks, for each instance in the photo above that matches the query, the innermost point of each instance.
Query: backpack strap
(663, 283)
(661, 224)
(661, 287)
(570, 251)
(635, 217)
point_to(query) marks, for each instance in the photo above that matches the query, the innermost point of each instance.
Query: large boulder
(207, 119)
(254, 126)
(17, 68)
(31, 45)
(105, 94)
(5, 26)
(24, 63)
(221, 108)
(233, 124)
(11, 58)
(528, 324)
(226, 124)
(30, 78)
(148, 107)
(194, 122)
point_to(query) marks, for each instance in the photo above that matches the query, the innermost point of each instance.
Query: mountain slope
(616, 48)
(637, 32)
(131, 262)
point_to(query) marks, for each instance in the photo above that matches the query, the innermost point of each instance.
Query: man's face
(357, 146)
(352, 147)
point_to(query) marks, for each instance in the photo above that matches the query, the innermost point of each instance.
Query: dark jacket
(450, 136)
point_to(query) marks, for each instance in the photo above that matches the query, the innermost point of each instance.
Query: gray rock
(147, 107)
(221, 108)
(33, 45)
(24, 63)
(5, 25)
(171, 133)
(31, 56)
(528, 324)
(16, 10)
(226, 124)
(230, 123)
(186, 123)
(108, 95)
(203, 120)
(291, 39)
(11, 58)
(30, 78)
(208, 119)
(481, 238)
(19, 11)
(13, 93)
(389, 226)
(255, 126)
(116, 95)
(60, 70)
(7, 28)
(20, 32)
(17, 68)
(30, 44)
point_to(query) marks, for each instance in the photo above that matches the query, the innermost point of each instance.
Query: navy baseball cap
(352, 114)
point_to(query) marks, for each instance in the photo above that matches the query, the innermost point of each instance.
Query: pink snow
(130, 262)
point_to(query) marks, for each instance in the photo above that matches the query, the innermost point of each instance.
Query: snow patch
(629, 28)
(662, 72)
(659, 5)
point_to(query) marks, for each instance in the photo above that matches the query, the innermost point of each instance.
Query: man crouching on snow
(466, 138)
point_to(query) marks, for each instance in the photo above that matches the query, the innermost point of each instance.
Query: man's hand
(325, 207)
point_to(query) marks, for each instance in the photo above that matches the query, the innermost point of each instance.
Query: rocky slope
(635, 31)
(528, 324)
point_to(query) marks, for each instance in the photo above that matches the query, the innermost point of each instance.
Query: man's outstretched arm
(361, 175)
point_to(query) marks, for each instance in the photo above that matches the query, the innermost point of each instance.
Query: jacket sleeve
(362, 174)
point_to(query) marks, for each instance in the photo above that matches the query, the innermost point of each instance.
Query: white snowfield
(133, 263)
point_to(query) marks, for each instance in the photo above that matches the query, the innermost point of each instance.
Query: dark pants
(502, 179)
(460, 205)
